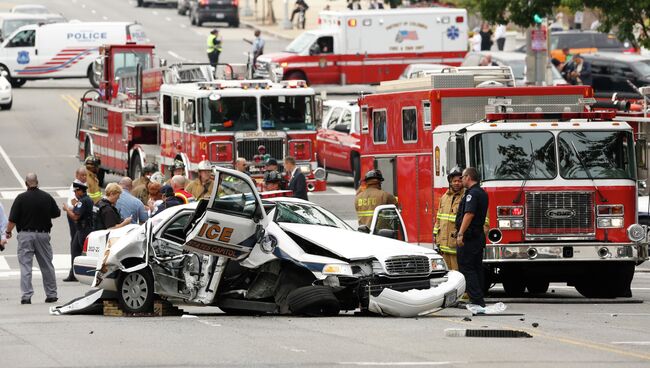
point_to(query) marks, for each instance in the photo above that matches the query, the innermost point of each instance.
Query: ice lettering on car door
(228, 227)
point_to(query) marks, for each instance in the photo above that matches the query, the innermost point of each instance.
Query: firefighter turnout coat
(367, 200)
(445, 227)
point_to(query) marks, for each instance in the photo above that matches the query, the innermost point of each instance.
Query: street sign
(538, 40)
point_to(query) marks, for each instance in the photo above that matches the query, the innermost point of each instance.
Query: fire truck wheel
(514, 286)
(537, 286)
(356, 171)
(135, 167)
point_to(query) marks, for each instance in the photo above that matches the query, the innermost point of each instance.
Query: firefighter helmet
(205, 165)
(456, 171)
(149, 169)
(178, 164)
(93, 160)
(157, 177)
(272, 177)
(374, 174)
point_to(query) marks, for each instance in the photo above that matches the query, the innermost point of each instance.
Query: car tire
(92, 77)
(17, 82)
(313, 301)
(135, 291)
(537, 286)
(135, 169)
(514, 287)
(6, 106)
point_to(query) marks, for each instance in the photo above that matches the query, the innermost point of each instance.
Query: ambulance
(367, 47)
(62, 50)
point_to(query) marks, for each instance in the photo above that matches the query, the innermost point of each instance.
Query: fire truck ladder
(502, 109)
(454, 77)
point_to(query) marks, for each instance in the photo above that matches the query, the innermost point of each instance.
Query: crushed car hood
(353, 244)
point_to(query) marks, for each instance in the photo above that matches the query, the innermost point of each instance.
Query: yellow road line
(72, 102)
(583, 343)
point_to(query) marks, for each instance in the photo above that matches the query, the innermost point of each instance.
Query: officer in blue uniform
(472, 211)
(82, 214)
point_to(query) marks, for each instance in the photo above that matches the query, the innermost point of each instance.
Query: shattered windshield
(607, 155)
(287, 113)
(514, 155)
(227, 114)
(309, 214)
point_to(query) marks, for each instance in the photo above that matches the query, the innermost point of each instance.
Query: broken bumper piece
(88, 304)
(413, 303)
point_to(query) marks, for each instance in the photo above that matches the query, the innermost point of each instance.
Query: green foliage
(519, 12)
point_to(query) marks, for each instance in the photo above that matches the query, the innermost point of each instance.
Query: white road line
(4, 266)
(631, 342)
(390, 364)
(210, 323)
(177, 56)
(12, 167)
(168, 19)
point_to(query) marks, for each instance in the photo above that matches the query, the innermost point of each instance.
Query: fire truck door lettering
(203, 145)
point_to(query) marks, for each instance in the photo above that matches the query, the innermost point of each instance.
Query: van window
(426, 115)
(334, 118)
(379, 128)
(409, 124)
(26, 38)
(176, 111)
(167, 109)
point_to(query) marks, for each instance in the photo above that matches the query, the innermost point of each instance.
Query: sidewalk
(277, 29)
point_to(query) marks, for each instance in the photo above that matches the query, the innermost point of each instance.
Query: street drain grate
(456, 332)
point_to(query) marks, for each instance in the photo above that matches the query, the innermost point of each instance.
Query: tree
(628, 18)
(519, 12)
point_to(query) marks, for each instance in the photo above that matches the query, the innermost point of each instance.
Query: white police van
(62, 50)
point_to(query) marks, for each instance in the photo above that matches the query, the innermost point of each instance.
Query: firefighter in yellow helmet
(444, 230)
(92, 164)
(367, 200)
(201, 187)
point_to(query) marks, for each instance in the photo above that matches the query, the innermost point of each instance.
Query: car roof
(617, 56)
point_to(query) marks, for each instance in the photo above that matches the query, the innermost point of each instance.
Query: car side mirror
(364, 229)
(4, 73)
(387, 233)
(343, 128)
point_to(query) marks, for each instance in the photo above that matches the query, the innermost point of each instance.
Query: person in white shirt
(475, 41)
(3, 228)
(500, 36)
(258, 46)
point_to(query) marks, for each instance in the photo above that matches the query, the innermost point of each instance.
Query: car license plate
(220, 16)
(450, 298)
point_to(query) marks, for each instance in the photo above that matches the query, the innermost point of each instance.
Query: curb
(253, 25)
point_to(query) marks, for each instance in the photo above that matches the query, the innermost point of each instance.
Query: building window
(379, 126)
(409, 124)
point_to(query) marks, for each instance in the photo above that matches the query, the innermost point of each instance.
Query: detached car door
(387, 221)
(234, 217)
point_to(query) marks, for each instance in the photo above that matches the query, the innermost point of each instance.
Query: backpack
(98, 222)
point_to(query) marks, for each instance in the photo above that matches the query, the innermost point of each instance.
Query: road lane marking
(12, 168)
(172, 53)
(392, 364)
(210, 323)
(344, 190)
(71, 102)
(642, 343)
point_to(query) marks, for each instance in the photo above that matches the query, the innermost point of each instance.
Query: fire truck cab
(143, 114)
(561, 180)
(370, 46)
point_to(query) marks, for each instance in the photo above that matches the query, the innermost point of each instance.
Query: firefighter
(470, 238)
(201, 187)
(367, 200)
(444, 230)
(92, 182)
(147, 171)
(214, 47)
(178, 168)
(272, 181)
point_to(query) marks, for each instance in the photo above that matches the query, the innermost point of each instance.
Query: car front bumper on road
(412, 303)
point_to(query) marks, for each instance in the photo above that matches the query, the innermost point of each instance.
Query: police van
(62, 50)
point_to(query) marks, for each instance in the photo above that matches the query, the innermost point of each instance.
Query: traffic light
(537, 19)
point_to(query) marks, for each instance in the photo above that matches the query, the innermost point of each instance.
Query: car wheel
(135, 291)
(537, 286)
(92, 77)
(514, 287)
(18, 82)
(313, 301)
(136, 166)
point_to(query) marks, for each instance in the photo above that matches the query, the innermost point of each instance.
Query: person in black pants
(82, 215)
(297, 181)
(470, 237)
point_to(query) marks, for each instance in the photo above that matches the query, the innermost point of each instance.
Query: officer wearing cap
(82, 214)
(92, 182)
(169, 199)
(470, 238)
(201, 187)
(366, 201)
(444, 230)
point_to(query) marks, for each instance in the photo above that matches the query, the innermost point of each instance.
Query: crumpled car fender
(413, 303)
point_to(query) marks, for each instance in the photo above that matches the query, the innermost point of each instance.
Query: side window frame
(375, 114)
(426, 115)
(412, 125)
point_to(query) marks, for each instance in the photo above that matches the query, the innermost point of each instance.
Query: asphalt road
(38, 136)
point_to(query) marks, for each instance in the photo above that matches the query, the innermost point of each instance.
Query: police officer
(470, 238)
(92, 182)
(366, 201)
(214, 47)
(444, 230)
(82, 214)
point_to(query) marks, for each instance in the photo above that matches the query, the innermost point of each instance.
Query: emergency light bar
(246, 84)
(562, 116)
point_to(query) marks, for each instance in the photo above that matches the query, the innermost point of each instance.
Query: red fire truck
(159, 115)
(561, 180)
(370, 46)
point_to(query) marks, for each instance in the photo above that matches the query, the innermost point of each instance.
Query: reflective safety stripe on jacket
(445, 226)
(366, 201)
(94, 192)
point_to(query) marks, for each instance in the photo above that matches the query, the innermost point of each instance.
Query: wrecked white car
(278, 255)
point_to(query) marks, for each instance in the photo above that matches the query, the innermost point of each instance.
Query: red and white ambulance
(561, 180)
(161, 115)
(370, 46)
